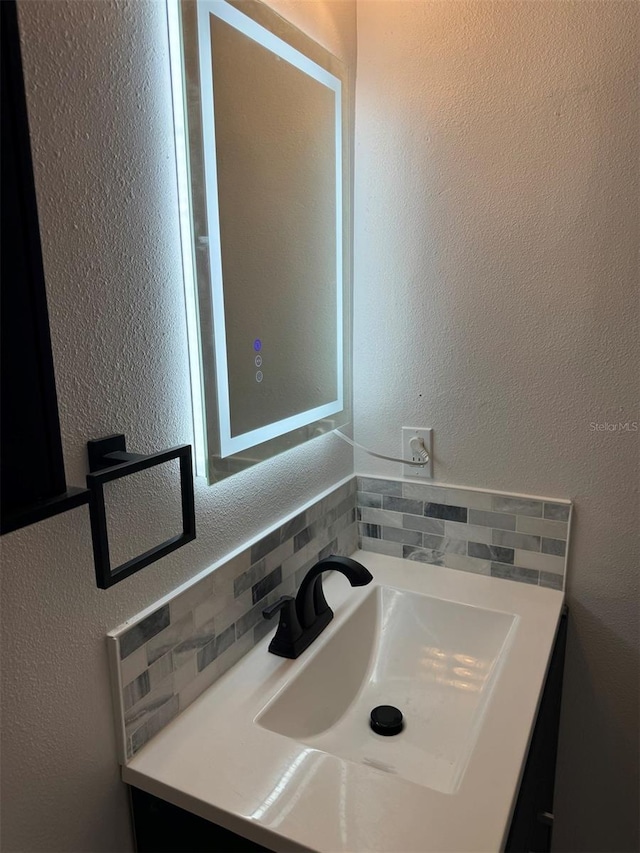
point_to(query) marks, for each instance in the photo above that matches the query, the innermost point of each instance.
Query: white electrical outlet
(423, 471)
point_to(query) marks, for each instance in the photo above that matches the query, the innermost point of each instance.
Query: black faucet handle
(270, 611)
(289, 631)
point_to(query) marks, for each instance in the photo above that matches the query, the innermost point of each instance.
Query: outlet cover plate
(424, 472)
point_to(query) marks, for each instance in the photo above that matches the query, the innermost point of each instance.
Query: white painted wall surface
(496, 300)
(100, 110)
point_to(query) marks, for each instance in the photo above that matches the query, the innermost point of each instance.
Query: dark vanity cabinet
(161, 827)
(532, 822)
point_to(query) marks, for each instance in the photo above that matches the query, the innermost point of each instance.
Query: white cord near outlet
(419, 453)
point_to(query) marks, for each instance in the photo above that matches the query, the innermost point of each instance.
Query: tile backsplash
(505, 536)
(164, 658)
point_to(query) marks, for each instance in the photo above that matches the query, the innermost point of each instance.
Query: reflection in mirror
(263, 176)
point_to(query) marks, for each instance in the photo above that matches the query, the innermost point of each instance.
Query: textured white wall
(100, 110)
(496, 301)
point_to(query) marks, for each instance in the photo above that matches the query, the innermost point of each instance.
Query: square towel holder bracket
(109, 461)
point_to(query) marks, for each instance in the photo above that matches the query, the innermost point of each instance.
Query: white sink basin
(280, 751)
(435, 660)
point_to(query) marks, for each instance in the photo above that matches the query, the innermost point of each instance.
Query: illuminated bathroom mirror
(261, 121)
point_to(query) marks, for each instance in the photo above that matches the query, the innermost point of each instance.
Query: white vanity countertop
(215, 761)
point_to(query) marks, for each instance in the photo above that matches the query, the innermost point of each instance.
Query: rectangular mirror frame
(197, 252)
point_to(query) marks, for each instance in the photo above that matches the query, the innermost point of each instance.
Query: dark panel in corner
(32, 467)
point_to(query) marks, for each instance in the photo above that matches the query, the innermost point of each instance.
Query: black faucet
(306, 616)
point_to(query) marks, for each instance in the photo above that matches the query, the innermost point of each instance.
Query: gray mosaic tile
(271, 581)
(301, 539)
(425, 492)
(516, 540)
(444, 544)
(202, 680)
(317, 510)
(470, 532)
(348, 540)
(468, 498)
(433, 526)
(345, 506)
(327, 520)
(249, 578)
(287, 587)
(225, 575)
(516, 506)
(369, 499)
(163, 716)
(160, 670)
(557, 512)
(381, 516)
(166, 640)
(184, 674)
(344, 519)
(232, 611)
(382, 546)
(293, 526)
(201, 636)
(144, 631)
(514, 573)
(264, 545)
(381, 487)
(249, 619)
(423, 555)
(278, 555)
(133, 665)
(328, 550)
(490, 552)
(138, 714)
(206, 611)
(191, 598)
(293, 563)
(262, 629)
(446, 512)
(370, 531)
(216, 647)
(398, 534)
(554, 546)
(542, 527)
(450, 545)
(395, 504)
(155, 724)
(540, 562)
(225, 660)
(499, 520)
(136, 690)
(551, 580)
(464, 563)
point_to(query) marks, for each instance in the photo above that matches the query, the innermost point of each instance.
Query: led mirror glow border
(233, 444)
(178, 93)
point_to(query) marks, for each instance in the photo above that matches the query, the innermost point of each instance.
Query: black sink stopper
(386, 720)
